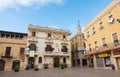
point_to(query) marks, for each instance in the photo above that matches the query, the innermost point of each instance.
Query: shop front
(116, 54)
(103, 59)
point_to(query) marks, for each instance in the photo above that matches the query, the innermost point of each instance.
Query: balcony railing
(3, 55)
(31, 53)
(105, 47)
(49, 53)
(32, 39)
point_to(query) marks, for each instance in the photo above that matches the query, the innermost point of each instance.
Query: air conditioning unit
(111, 20)
(118, 20)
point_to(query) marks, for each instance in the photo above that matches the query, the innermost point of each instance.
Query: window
(17, 36)
(12, 36)
(32, 47)
(7, 35)
(101, 25)
(22, 50)
(8, 51)
(64, 37)
(88, 34)
(21, 36)
(33, 34)
(111, 19)
(96, 47)
(90, 47)
(49, 36)
(93, 30)
(40, 59)
(104, 42)
(49, 48)
(115, 39)
(64, 60)
(64, 49)
(2, 35)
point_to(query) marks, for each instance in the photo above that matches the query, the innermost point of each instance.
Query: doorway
(56, 62)
(15, 62)
(84, 62)
(118, 62)
(31, 62)
(2, 65)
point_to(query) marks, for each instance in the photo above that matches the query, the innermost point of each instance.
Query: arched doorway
(2, 65)
(31, 62)
(56, 61)
(15, 62)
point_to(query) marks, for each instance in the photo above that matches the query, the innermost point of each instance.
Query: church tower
(79, 29)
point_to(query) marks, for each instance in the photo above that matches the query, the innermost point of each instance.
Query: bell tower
(79, 29)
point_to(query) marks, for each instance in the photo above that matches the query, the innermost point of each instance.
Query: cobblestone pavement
(68, 72)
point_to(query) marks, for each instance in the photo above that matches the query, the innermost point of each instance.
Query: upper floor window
(49, 36)
(22, 50)
(12, 36)
(33, 34)
(64, 37)
(3, 35)
(49, 48)
(32, 47)
(17, 36)
(101, 25)
(93, 30)
(7, 35)
(90, 49)
(21, 36)
(104, 42)
(111, 19)
(88, 34)
(115, 39)
(8, 51)
(64, 49)
(96, 47)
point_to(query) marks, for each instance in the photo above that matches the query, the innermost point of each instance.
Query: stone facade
(12, 47)
(78, 49)
(47, 46)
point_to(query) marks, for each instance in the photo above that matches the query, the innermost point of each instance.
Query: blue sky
(16, 15)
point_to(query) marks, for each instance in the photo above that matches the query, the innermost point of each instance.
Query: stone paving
(68, 72)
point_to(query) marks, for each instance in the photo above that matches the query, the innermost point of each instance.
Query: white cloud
(4, 4)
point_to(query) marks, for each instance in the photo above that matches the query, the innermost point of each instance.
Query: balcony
(32, 39)
(105, 48)
(4, 55)
(49, 53)
(32, 53)
(64, 42)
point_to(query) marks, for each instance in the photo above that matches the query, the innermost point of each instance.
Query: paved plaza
(68, 72)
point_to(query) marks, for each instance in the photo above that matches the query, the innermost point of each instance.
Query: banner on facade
(32, 53)
(103, 55)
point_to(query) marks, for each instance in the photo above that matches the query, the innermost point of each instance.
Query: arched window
(64, 49)
(49, 36)
(64, 60)
(32, 47)
(49, 48)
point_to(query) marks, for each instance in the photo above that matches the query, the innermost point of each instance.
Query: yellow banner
(31, 54)
(103, 55)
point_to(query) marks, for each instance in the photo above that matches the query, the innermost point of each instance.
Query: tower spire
(79, 30)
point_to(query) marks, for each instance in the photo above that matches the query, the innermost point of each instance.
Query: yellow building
(103, 38)
(78, 49)
(12, 48)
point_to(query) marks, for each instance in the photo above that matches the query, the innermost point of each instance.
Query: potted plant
(65, 65)
(36, 67)
(62, 66)
(27, 67)
(17, 67)
(45, 65)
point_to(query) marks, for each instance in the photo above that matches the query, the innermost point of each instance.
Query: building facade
(12, 47)
(47, 46)
(78, 49)
(103, 38)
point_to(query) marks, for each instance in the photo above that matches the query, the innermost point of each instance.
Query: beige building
(78, 48)
(47, 46)
(12, 47)
(103, 38)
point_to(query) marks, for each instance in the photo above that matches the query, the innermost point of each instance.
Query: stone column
(94, 61)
